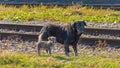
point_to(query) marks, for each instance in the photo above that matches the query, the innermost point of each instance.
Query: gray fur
(47, 45)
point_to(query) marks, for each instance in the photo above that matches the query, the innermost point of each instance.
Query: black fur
(67, 35)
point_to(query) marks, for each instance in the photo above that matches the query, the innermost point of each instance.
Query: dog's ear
(84, 23)
(74, 24)
(80, 22)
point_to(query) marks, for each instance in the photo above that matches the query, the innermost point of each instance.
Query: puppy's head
(52, 39)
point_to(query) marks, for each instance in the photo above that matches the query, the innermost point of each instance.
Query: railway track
(90, 37)
(104, 6)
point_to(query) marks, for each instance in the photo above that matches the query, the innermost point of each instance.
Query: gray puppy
(47, 45)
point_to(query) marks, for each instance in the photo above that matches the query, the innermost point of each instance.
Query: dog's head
(79, 26)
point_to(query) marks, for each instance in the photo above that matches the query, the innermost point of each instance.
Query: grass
(55, 13)
(84, 60)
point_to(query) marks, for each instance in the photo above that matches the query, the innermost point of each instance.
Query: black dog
(67, 35)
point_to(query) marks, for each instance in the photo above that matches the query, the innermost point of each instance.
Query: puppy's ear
(55, 38)
(48, 38)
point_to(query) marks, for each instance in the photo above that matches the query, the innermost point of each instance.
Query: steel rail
(95, 41)
(103, 31)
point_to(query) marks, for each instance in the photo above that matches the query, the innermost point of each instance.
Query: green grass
(55, 13)
(21, 60)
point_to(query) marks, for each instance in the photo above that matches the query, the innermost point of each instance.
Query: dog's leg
(74, 45)
(66, 46)
(75, 50)
(67, 50)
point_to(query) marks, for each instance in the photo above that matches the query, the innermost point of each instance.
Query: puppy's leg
(49, 52)
(38, 51)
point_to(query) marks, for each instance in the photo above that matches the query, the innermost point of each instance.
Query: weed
(17, 59)
(55, 13)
